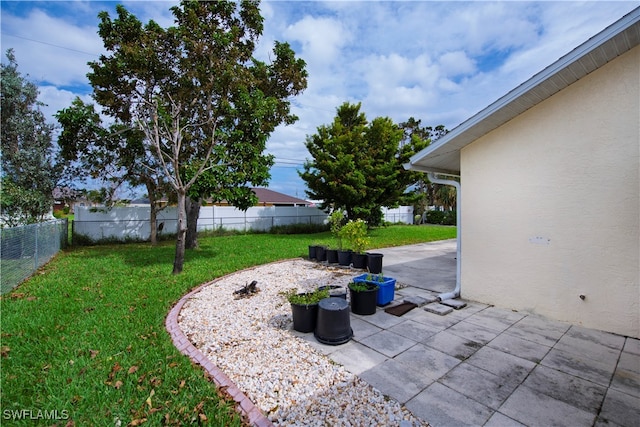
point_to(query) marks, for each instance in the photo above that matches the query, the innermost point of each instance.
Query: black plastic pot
(312, 251)
(374, 262)
(321, 253)
(332, 256)
(364, 302)
(304, 317)
(344, 257)
(359, 260)
(333, 326)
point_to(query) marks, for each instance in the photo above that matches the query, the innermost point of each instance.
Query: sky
(437, 61)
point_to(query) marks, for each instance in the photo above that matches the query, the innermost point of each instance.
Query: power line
(51, 44)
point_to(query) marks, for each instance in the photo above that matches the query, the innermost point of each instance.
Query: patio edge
(243, 404)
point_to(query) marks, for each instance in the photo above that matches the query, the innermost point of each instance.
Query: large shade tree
(110, 155)
(195, 91)
(357, 165)
(30, 169)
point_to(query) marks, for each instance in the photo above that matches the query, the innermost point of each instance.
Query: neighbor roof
(266, 196)
(443, 156)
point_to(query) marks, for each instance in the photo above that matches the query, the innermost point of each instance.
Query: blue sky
(440, 62)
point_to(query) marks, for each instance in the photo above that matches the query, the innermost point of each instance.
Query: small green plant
(306, 298)
(336, 221)
(362, 286)
(355, 233)
(375, 277)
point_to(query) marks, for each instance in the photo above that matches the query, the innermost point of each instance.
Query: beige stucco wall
(551, 205)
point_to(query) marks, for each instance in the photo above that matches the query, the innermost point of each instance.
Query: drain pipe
(456, 184)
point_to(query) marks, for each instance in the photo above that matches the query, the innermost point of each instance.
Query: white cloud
(456, 63)
(51, 49)
(321, 38)
(438, 61)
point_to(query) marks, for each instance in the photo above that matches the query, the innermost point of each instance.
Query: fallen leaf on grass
(132, 369)
(149, 398)
(94, 353)
(114, 370)
(4, 351)
(137, 422)
(118, 384)
(199, 406)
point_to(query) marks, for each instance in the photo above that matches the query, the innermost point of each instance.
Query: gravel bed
(250, 339)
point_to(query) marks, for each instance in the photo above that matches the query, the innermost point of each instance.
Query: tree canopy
(203, 104)
(30, 170)
(357, 165)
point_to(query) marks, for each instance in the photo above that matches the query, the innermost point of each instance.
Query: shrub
(449, 218)
(441, 217)
(299, 229)
(435, 217)
(355, 233)
(336, 221)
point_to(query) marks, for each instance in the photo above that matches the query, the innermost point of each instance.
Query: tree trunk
(182, 231)
(193, 212)
(153, 215)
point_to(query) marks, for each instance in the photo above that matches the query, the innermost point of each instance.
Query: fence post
(35, 256)
(64, 238)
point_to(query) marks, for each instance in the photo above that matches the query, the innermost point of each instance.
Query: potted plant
(355, 233)
(335, 291)
(363, 297)
(304, 308)
(387, 286)
(336, 220)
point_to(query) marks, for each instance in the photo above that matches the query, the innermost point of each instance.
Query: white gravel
(251, 341)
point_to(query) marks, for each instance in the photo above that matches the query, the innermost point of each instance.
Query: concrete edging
(182, 343)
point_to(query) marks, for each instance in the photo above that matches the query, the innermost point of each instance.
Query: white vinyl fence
(401, 214)
(133, 222)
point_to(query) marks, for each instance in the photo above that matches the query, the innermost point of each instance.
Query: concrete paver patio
(482, 365)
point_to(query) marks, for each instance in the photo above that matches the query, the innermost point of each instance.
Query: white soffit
(443, 156)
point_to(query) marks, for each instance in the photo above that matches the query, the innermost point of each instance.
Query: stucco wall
(551, 205)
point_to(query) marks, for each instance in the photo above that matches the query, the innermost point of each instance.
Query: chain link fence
(25, 248)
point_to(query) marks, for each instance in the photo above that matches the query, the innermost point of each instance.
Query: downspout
(456, 184)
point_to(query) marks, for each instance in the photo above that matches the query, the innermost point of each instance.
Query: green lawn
(85, 335)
